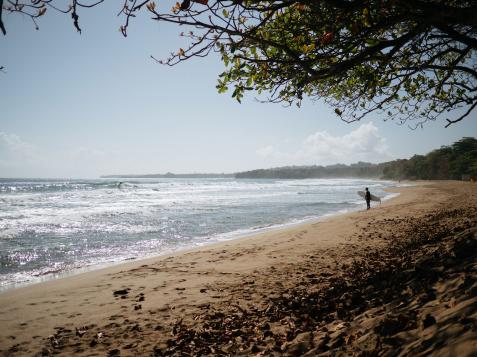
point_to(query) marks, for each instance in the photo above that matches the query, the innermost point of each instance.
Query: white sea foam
(51, 227)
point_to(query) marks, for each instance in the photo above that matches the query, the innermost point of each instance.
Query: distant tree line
(447, 163)
(455, 162)
(361, 169)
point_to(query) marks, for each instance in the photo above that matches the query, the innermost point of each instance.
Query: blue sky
(86, 105)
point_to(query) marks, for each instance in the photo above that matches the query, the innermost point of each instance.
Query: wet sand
(397, 280)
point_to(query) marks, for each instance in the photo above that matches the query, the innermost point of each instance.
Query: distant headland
(170, 175)
(455, 162)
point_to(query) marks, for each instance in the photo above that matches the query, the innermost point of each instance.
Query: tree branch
(2, 26)
(472, 107)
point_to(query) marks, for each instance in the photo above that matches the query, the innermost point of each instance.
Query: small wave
(52, 186)
(72, 224)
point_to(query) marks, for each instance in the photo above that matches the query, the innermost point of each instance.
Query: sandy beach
(397, 280)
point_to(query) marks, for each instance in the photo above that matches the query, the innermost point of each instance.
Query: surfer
(367, 197)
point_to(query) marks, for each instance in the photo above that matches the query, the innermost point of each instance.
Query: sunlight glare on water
(48, 227)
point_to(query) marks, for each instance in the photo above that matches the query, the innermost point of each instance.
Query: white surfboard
(373, 197)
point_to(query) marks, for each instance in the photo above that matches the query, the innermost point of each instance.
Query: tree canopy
(360, 169)
(449, 162)
(455, 162)
(409, 60)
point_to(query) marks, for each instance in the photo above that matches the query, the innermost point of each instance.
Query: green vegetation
(361, 169)
(407, 60)
(448, 162)
(453, 162)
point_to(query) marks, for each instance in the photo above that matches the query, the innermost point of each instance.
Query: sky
(83, 105)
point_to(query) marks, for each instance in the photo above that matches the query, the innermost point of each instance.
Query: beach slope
(399, 279)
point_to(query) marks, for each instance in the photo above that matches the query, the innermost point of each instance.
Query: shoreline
(226, 237)
(133, 308)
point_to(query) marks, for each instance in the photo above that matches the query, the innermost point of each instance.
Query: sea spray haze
(52, 227)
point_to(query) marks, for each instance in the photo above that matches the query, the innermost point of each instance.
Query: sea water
(49, 228)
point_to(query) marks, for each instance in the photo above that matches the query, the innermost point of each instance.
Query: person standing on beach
(367, 197)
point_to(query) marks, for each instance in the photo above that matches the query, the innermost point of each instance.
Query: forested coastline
(361, 169)
(454, 162)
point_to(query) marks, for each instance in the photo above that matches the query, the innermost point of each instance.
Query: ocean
(52, 228)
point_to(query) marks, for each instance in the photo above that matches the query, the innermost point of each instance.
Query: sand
(397, 280)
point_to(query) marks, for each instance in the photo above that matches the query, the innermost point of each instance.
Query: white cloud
(14, 152)
(321, 148)
(84, 154)
(91, 162)
(266, 151)
(19, 158)
(11, 146)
